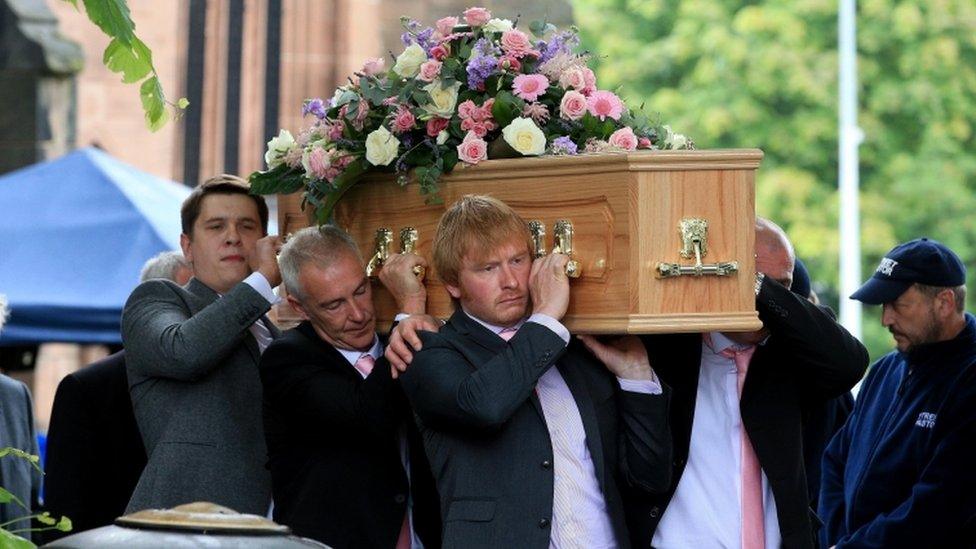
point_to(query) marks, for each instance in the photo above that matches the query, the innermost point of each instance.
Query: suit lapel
(490, 342)
(331, 357)
(569, 368)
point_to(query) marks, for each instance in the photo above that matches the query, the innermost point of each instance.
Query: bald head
(774, 253)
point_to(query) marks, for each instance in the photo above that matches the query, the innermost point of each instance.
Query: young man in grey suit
(531, 439)
(192, 357)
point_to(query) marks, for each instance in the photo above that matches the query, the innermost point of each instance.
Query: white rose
(278, 147)
(443, 100)
(408, 63)
(679, 141)
(442, 137)
(525, 137)
(381, 147)
(498, 25)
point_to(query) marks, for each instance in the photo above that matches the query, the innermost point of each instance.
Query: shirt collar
(352, 356)
(491, 327)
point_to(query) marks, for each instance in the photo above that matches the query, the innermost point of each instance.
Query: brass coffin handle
(538, 232)
(563, 234)
(408, 245)
(384, 239)
(694, 244)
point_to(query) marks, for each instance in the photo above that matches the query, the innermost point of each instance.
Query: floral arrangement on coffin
(465, 90)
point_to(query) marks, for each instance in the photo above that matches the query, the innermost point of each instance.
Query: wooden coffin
(625, 210)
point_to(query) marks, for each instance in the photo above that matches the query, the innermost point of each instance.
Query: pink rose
(624, 138)
(573, 105)
(429, 70)
(603, 104)
(374, 66)
(440, 51)
(473, 149)
(572, 78)
(318, 162)
(436, 125)
(335, 130)
(644, 143)
(404, 120)
(516, 43)
(589, 82)
(466, 109)
(476, 17)
(530, 86)
(445, 25)
(509, 63)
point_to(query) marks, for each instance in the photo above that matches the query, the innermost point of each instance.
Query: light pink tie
(507, 333)
(753, 528)
(404, 540)
(365, 364)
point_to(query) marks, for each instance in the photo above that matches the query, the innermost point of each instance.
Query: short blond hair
(473, 223)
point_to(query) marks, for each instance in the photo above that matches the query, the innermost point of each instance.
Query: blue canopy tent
(74, 235)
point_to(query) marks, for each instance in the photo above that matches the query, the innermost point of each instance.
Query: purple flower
(424, 39)
(316, 107)
(563, 145)
(562, 42)
(406, 38)
(480, 67)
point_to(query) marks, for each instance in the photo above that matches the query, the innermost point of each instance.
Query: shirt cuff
(400, 316)
(552, 324)
(260, 284)
(646, 386)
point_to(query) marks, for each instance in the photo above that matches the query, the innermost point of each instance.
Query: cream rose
(525, 137)
(498, 25)
(278, 147)
(381, 147)
(408, 63)
(442, 100)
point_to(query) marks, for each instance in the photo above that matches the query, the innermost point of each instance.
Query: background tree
(738, 73)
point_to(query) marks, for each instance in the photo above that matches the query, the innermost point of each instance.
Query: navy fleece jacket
(902, 471)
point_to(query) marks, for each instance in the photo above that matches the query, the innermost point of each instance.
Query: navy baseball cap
(921, 261)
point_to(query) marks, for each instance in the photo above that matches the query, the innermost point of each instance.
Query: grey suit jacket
(192, 365)
(17, 430)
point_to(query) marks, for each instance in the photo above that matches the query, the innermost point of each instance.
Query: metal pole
(850, 138)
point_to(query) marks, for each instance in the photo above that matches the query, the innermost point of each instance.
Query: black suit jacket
(487, 440)
(807, 359)
(334, 447)
(94, 452)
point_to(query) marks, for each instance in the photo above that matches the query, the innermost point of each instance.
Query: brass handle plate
(694, 244)
(538, 232)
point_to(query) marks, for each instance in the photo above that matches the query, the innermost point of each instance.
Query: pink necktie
(365, 364)
(507, 333)
(404, 540)
(753, 529)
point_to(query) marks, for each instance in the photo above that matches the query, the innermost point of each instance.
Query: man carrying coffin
(531, 439)
(347, 466)
(737, 477)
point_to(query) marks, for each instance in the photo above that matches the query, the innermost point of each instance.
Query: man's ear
(185, 246)
(297, 305)
(945, 302)
(453, 290)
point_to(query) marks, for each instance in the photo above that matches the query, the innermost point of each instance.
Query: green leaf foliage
(13, 541)
(506, 108)
(153, 103)
(748, 73)
(112, 16)
(134, 61)
(281, 180)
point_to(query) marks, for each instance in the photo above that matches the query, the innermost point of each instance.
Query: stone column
(37, 87)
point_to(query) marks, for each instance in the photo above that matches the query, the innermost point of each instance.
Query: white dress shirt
(261, 333)
(579, 514)
(705, 510)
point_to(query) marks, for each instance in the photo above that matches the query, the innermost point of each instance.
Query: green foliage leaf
(72, 2)
(7, 496)
(153, 103)
(182, 103)
(505, 108)
(13, 541)
(134, 61)
(280, 180)
(450, 159)
(348, 178)
(33, 459)
(64, 525)
(46, 519)
(112, 16)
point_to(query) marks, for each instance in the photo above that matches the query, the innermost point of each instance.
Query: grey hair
(319, 246)
(959, 292)
(163, 265)
(3, 310)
